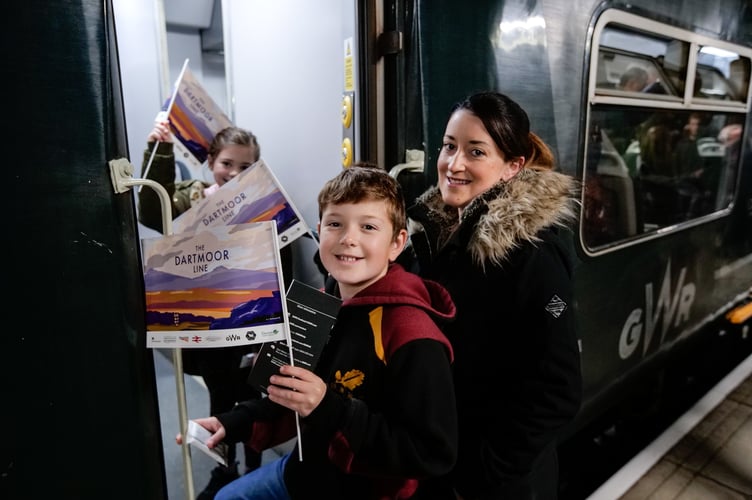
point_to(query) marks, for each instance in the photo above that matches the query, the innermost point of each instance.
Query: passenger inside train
(223, 370)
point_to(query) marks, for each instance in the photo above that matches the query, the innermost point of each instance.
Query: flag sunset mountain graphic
(220, 298)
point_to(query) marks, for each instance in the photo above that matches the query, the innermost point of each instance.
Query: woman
(493, 232)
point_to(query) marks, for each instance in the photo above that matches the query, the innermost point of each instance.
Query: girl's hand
(160, 132)
(298, 389)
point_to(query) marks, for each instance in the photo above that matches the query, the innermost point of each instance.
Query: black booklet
(312, 314)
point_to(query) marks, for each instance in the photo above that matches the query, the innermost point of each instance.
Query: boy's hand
(212, 425)
(298, 389)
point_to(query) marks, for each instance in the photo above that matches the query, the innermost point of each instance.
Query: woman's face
(469, 161)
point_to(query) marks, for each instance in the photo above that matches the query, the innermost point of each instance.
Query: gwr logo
(232, 337)
(674, 308)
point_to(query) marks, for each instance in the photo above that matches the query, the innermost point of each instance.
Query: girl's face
(230, 161)
(469, 162)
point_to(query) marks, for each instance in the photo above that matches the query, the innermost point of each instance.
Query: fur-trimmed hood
(506, 215)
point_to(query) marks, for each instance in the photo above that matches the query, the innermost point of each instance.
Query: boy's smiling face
(356, 243)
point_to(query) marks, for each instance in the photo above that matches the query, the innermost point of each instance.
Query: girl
(231, 151)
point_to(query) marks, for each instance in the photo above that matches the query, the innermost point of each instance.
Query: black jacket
(388, 418)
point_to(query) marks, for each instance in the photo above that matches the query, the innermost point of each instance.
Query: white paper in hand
(197, 436)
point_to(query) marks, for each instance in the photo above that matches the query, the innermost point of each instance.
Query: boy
(378, 413)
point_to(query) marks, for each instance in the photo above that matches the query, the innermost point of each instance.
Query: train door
(80, 415)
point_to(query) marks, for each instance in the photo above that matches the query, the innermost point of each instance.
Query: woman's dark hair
(509, 127)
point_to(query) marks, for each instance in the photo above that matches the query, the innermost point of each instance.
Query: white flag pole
(164, 116)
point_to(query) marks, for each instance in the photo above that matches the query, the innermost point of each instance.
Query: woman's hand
(298, 389)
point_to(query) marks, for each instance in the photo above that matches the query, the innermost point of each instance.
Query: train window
(724, 75)
(624, 71)
(739, 70)
(666, 113)
(628, 73)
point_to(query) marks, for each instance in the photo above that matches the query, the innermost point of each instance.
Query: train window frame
(698, 88)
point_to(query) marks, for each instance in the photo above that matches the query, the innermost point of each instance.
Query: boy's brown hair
(356, 184)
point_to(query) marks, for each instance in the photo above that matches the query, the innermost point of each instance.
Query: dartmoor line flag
(216, 287)
(252, 196)
(194, 121)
